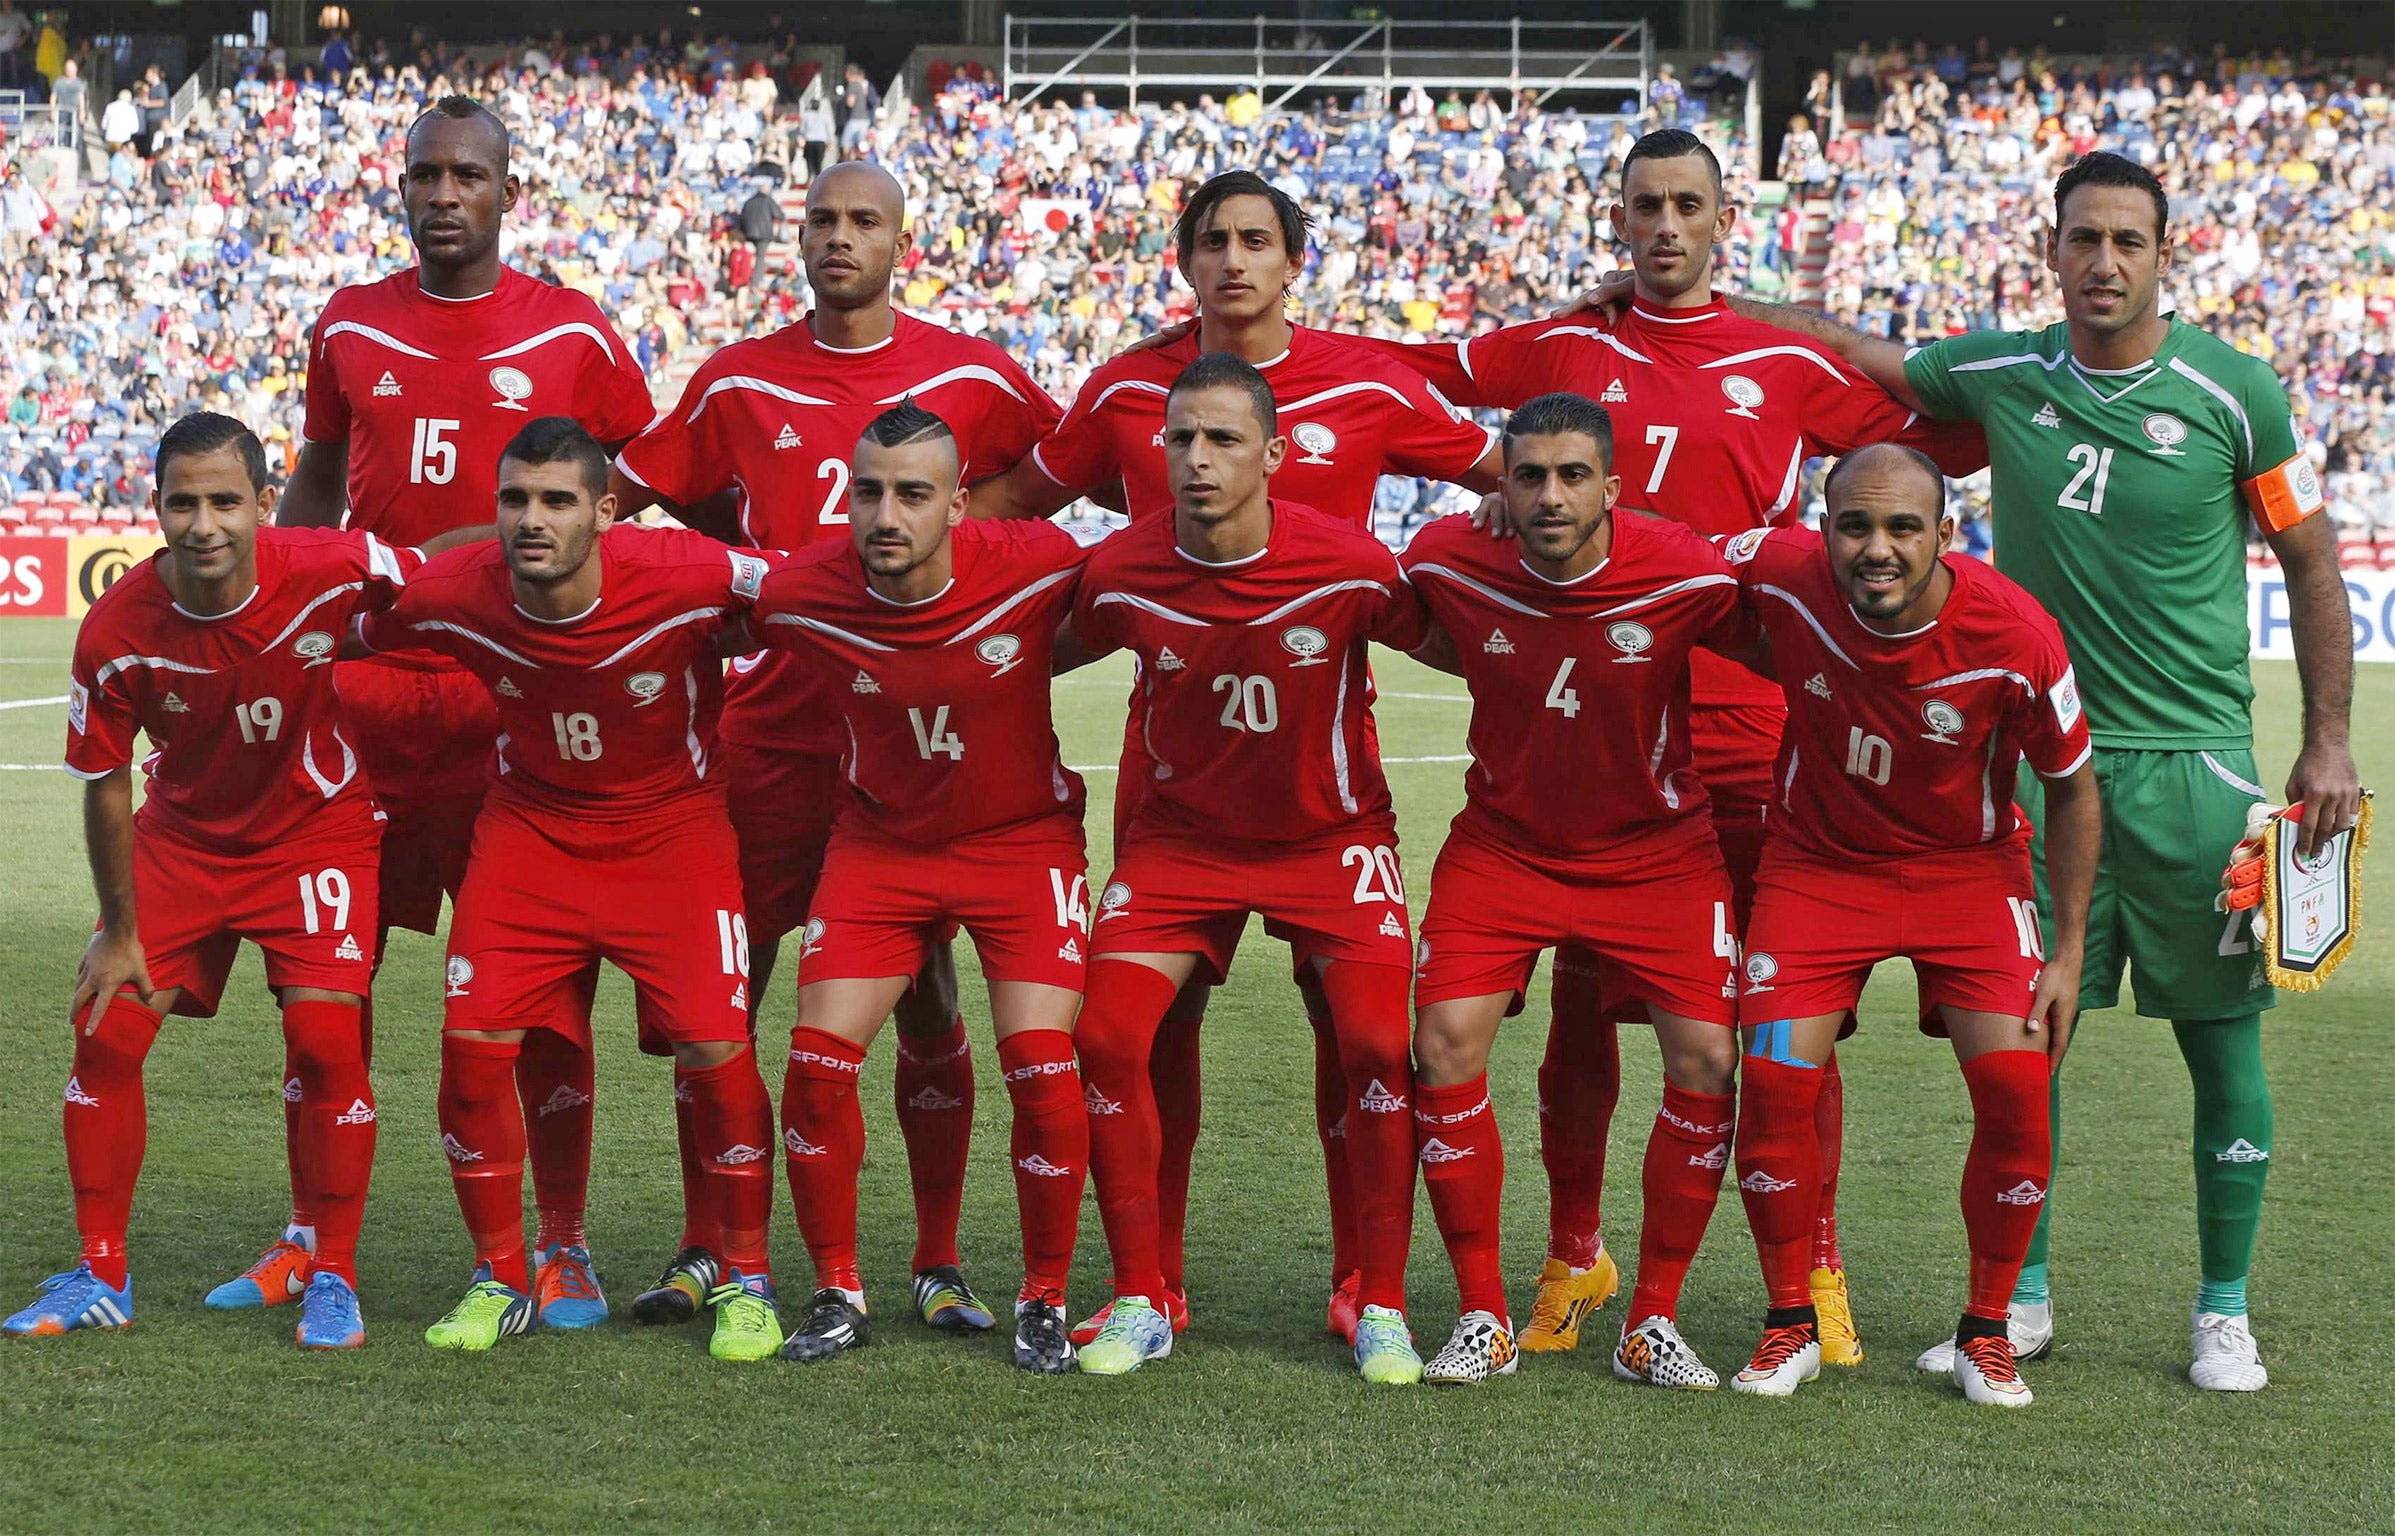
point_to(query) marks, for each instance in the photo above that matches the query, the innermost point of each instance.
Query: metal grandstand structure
(1282, 58)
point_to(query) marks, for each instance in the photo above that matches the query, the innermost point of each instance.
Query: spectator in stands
(120, 121)
(858, 102)
(68, 92)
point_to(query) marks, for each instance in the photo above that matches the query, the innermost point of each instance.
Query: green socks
(2031, 1289)
(2232, 1150)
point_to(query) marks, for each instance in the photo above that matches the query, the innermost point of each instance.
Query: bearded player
(1249, 618)
(1917, 683)
(756, 452)
(1713, 417)
(415, 382)
(1351, 418)
(939, 635)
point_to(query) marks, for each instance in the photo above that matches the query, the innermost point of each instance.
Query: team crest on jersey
(2166, 432)
(1000, 651)
(2046, 416)
(1741, 548)
(315, 648)
(1306, 643)
(513, 386)
(1631, 638)
(748, 575)
(1496, 644)
(1943, 720)
(1316, 439)
(1744, 394)
(1760, 968)
(1114, 900)
(78, 705)
(386, 387)
(811, 938)
(1614, 394)
(785, 438)
(460, 974)
(645, 686)
(507, 689)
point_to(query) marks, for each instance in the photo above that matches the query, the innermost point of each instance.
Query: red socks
(482, 1130)
(324, 1042)
(1050, 1149)
(934, 1088)
(1330, 1128)
(303, 1201)
(1463, 1163)
(1779, 1172)
(555, 1081)
(823, 1133)
(1372, 1009)
(1579, 1083)
(107, 1127)
(1829, 1130)
(1173, 1075)
(1120, 1013)
(732, 1123)
(1686, 1154)
(2006, 1172)
(698, 1206)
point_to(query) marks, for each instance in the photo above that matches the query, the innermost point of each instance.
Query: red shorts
(658, 897)
(782, 805)
(1660, 936)
(1967, 920)
(1340, 896)
(1023, 895)
(310, 907)
(424, 733)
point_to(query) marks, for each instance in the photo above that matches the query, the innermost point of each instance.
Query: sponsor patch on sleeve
(78, 706)
(2282, 497)
(1741, 547)
(748, 575)
(2065, 698)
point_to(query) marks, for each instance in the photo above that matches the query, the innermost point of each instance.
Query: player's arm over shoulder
(1959, 377)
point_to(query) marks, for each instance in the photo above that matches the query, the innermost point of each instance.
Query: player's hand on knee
(2054, 1009)
(111, 962)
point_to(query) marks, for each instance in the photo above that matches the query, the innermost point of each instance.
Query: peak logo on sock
(931, 1096)
(1096, 1103)
(1378, 1100)
(1424, 1117)
(458, 1151)
(292, 1092)
(1437, 1151)
(76, 1095)
(2023, 1193)
(2241, 1151)
(1717, 1159)
(799, 1146)
(1761, 1183)
(566, 1096)
(739, 1155)
(682, 1094)
(359, 1113)
(1041, 1167)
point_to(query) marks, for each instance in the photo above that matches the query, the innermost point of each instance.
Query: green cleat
(1385, 1349)
(488, 1313)
(747, 1327)
(1135, 1333)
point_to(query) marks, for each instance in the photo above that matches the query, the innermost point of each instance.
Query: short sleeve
(2276, 477)
(392, 627)
(617, 407)
(1845, 410)
(1015, 421)
(1079, 455)
(1430, 438)
(679, 455)
(1514, 365)
(1093, 622)
(1442, 363)
(2051, 723)
(1956, 378)
(1399, 619)
(100, 717)
(327, 418)
(387, 568)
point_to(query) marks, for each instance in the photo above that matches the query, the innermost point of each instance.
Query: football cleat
(1840, 1344)
(1135, 1333)
(678, 1293)
(1384, 1348)
(1787, 1358)
(2030, 1327)
(328, 1314)
(1654, 1354)
(945, 1302)
(1346, 1305)
(1566, 1298)
(566, 1289)
(833, 1325)
(280, 1275)
(76, 1299)
(747, 1325)
(1176, 1306)
(1481, 1347)
(1985, 1370)
(487, 1313)
(2226, 1357)
(1041, 1344)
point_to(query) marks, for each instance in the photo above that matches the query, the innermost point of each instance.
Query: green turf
(200, 1420)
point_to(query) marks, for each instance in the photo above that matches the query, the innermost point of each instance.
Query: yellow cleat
(1840, 1344)
(1566, 1298)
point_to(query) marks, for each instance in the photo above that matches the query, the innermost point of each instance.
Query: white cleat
(1785, 1360)
(1481, 1347)
(1985, 1370)
(1654, 1354)
(2226, 1357)
(2030, 1326)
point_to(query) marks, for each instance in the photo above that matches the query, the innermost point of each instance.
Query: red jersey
(242, 718)
(945, 701)
(1713, 415)
(777, 417)
(1350, 417)
(1903, 744)
(609, 713)
(1580, 689)
(427, 391)
(1256, 701)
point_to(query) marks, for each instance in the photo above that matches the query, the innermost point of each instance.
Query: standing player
(256, 825)
(1352, 418)
(940, 634)
(1917, 684)
(1583, 824)
(604, 837)
(756, 452)
(2130, 451)
(414, 384)
(1249, 619)
(1714, 416)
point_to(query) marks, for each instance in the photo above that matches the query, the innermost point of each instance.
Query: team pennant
(2307, 911)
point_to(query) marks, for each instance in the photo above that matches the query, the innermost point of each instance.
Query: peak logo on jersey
(292, 1092)
(1096, 1103)
(1306, 643)
(798, 1146)
(565, 1097)
(513, 386)
(348, 949)
(460, 974)
(458, 1151)
(2046, 416)
(864, 683)
(1040, 1167)
(315, 648)
(739, 997)
(359, 1113)
(645, 686)
(1943, 720)
(1069, 952)
(1741, 547)
(1496, 644)
(1744, 394)
(1716, 1158)
(507, 689)
(1166, 661)
(1760, 968)
(1631, 638)
(1316, 439)
(739, 1155)
(1000, 651)
(1761, 1183)
(174, 704)
(811, 937)
(386, 387)
(2166, 432)
(2241, 1151)
(1615, 394)
(1391, 925)
(786, 438)
(933, 1098)
(1378, 1100)
(2023, 1193)
(1818, 686)
(1437, 1151)
(76, 1095)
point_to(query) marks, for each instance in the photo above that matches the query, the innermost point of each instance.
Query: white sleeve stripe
(1144, 605)
(90, 777)
(2179, 367)
(383, 338)
(1041, 465)
(1807, 353)
(1331, 590)
(1802, 612)
(1431, 568)
(2085, 754)
(1011, 603)
(571, 328)
(803, 622)
(316, 602)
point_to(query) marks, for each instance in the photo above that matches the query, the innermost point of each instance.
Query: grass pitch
(196, 1420)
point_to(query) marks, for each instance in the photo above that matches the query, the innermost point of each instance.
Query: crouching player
(604, 837)
(257, 825)
(1916, 683)
(1250, 619)
(1583, 825)
(936, 636)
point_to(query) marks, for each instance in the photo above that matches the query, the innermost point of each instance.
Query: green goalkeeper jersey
(2120, 501)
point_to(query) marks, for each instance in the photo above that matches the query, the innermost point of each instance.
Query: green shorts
(2170, 820)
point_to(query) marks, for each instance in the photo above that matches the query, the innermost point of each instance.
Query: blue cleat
(328, 1314)
(76, 1299)
(566, 1289)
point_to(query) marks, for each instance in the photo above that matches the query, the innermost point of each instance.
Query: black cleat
(676, 1296)
(833, 1325)
(945, 1302)
(1043, 1345)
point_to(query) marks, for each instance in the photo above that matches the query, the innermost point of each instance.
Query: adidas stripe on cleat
(1653, 1354)
(329, 1316)
(676, 1296)
(279, 1275)
(71, 1301)
(487, 1313)
(945, 1302)
(1042, 1346)
(1481, 1347)
(835, 1323)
